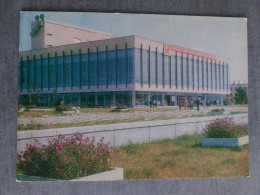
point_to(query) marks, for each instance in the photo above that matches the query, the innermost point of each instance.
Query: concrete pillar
(96, 99)
(114, 98)
(221, 100)
(149, 97)
(133, 98)
(105, 99)
(163, 99)
(79, 99)
(175, 100)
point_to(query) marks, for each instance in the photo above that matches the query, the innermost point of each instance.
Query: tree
(241, 95)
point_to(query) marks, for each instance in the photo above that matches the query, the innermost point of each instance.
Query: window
(49, 34)
(49, 46)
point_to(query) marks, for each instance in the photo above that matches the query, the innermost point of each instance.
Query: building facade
(121, 70)
(47, 33)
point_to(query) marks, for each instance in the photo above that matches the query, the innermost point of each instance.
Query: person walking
(198, 103)
(185, 104)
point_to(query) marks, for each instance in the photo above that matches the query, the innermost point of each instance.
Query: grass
(183, 157)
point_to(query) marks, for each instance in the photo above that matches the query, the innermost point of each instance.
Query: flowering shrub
(64, 107)
(66, 157)
(110, 106)
(20, 106)
(225, 128)
(120, 106)
(30, 106)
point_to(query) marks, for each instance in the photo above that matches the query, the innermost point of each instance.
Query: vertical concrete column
(114, 98)
(163, 98)
(149, 96)
(105, 99)
(79, 99)
(133, 98)
(175, 100)
(96, 99)
(49, 100)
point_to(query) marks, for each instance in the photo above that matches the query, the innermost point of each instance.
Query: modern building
(118, 70)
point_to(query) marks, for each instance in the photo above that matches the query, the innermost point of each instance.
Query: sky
(224, 37)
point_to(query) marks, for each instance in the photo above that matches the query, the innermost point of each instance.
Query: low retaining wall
(226, 142)
(125, 133)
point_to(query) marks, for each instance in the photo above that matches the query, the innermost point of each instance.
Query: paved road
(122, 116)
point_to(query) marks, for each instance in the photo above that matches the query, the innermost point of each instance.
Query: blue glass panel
(76, 66)
(60, 71)
(131, 65)
(68, 71)
(102, 68)
(121, 67)
(52, 73)
(85, 68)
(93, 69)
(24, 81)
(45, 73)
(112, 67)
(38, 74)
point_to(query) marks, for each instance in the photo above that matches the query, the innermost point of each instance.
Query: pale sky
(221, 36)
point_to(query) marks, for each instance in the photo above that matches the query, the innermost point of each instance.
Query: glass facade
(119, 67)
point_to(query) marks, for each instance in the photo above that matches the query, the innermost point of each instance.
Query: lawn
(183, 157)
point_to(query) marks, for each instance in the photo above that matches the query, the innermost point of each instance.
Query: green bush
(64, 108)
(66, 158)
(110, 106)
(120, 106)
(225, 128)
(218, 110)
(131, 148)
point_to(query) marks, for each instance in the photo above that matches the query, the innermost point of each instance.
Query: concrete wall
(125, 133)
(56, 34)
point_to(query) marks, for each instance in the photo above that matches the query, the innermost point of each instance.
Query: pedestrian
(198, 103)
(151, 103)
(185, 104)
(180, 102)
(136, 103)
